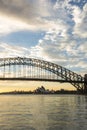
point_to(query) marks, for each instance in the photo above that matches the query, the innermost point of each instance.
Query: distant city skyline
(41, 90)
(53, 30)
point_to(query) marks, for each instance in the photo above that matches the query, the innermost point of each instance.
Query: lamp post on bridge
(85, 84)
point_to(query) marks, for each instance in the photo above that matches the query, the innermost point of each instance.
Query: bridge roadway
(39, 79)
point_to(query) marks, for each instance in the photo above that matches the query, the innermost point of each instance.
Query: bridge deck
(38, 79)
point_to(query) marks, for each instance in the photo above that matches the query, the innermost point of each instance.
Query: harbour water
(43, 112)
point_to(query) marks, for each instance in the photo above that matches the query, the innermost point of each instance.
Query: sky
(52, 30)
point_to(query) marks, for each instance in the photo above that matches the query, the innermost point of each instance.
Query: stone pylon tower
(85, 84)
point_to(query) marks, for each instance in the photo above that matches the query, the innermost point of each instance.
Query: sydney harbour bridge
(22, 68)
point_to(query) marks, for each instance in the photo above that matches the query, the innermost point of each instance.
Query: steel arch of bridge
(69, 76)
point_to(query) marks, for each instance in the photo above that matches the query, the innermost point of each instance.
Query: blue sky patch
(23, 38)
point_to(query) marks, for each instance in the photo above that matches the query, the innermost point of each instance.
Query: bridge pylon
(85, 83)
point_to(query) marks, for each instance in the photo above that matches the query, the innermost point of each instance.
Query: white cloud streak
(7, 50)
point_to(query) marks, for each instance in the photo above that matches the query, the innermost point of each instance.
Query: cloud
(16, 15)
(64, 22)
(7, 50)
(30, 13)
(26, 10)
(65, 43)
(8, 25)
(66, 54)
(80, 19)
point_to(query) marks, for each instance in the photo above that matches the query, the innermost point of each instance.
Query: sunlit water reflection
(43, 112)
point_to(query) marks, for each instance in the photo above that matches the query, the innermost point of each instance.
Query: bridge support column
(85, 84)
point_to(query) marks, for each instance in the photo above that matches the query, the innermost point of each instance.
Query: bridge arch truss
(56, 71)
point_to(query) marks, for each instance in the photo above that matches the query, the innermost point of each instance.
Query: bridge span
(22, 68)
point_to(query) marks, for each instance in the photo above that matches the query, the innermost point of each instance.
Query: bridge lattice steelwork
(19, 68)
